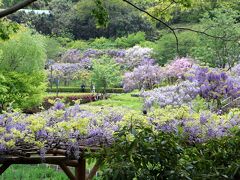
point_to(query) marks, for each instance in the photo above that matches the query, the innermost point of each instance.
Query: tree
(16, 7)
(121, 20)
(143, 77)
(164, 49)
(21, 90)
(23, 53)
(220, 52)
(100, 12)
(53, 48)
(105, 74)
(22, 77)
(7, 28)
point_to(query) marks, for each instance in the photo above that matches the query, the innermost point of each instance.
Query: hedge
(87, 90)
(70, 99)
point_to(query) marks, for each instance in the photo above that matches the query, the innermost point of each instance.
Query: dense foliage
(183, 124)
(21, 51)
(23, 80)
(141, 152)
(105, 74)
(21, 90)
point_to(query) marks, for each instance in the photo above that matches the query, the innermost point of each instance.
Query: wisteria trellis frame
(55, 157)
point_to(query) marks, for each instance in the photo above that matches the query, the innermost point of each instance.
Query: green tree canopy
(220, 52)
(23, 53)
(105, 73)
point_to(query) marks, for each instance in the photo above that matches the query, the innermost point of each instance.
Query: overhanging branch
(206, 34)
(174, 30)
(159, 20)
(15, 8)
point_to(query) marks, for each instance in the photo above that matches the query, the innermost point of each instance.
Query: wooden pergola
(54, 157)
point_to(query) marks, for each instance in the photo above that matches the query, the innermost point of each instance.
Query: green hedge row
(87, 90)
(48, 101)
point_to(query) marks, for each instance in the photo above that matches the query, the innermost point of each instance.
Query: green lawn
(121, 100)
(37, 172)
(115, 100)
(32, 172)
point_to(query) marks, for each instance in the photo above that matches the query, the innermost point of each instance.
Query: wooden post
(67, 171)
(94, 170)
(4, 167)
(80, 170)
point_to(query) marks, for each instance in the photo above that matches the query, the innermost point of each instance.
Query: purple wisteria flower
(176, 95)
(144, 76)
(214, 84)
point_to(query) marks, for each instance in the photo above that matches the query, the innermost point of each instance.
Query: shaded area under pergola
(55, 157)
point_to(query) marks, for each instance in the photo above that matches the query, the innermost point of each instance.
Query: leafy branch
(174, 30)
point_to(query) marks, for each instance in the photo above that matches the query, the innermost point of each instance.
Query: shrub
(78, 44)
(178, 68)
(22, 90)
(131, 40)
(141, 153)
(70, 99)
(53, 48)
(215, 85)
(102, 43)
(22, 68)
(23, 53)
(215, 159)
(175, 95)
(105, 74)
(135, 56)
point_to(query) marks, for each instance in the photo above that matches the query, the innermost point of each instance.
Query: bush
(78, 44)
(85, 98)
(216, 159)
(53, 48)
(105, 74)
(102, 43)
(22, 64)
(23, 53)
(139, 152)
(22, 90)
(131, 40)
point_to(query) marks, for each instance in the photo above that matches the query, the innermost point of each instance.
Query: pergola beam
(4, 167)
(67, 171)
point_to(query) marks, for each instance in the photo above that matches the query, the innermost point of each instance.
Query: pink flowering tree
(177, 68)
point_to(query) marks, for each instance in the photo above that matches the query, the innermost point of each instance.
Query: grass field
(38, 172)
(121, 100)
(32, 172)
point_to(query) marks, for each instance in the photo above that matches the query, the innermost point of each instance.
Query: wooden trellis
(55, 157)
